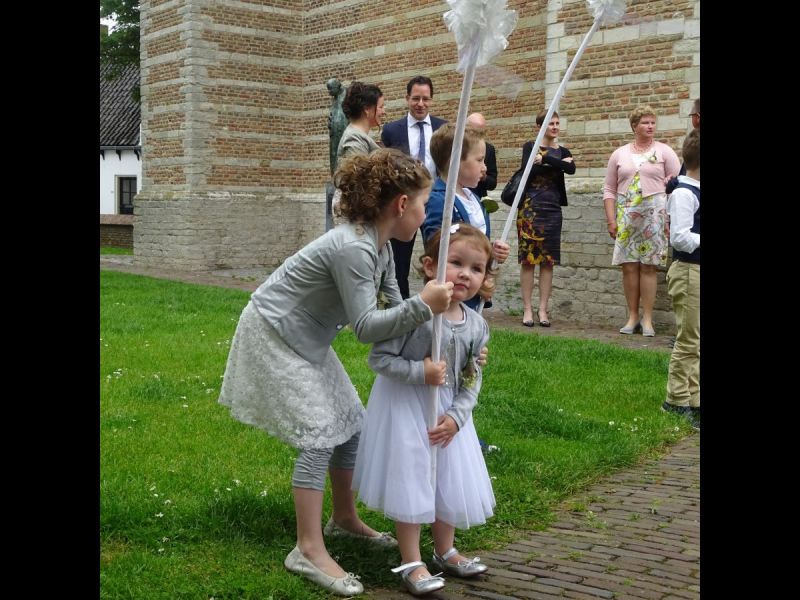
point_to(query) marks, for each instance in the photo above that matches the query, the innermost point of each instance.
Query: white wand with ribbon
(606, 12)
(480, 28)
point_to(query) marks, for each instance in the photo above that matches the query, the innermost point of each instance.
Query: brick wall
(234, 102)
(116, 231)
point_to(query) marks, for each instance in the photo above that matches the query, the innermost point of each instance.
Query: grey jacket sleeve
(353, 268)
(467, 397)
(386, 358)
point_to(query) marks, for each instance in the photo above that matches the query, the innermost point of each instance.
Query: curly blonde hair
(471, 235)
(370, 182)
(643, 110)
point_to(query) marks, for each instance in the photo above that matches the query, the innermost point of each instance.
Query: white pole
(444, 243)
(512, 211)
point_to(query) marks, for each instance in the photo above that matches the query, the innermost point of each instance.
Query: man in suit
(489, 180)
(412, 134)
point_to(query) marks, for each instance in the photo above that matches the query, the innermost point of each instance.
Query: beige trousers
(683, 382)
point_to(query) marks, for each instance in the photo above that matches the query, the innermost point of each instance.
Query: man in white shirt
(412, 135)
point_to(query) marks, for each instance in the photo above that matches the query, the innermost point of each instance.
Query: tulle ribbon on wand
(480, 28)
(606, 12)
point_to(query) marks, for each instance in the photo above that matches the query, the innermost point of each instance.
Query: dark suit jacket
(560, 166)
(395, 134)
(490, 182)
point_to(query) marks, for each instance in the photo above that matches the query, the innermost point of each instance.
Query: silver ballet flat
(382, 539)
(423, 585)
(648, 332)
(631, 330)
(349, 585)
(464, 568)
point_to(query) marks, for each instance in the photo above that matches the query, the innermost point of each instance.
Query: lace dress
(268, 385)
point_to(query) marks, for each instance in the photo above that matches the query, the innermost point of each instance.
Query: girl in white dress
(282, 375)
(393, 465)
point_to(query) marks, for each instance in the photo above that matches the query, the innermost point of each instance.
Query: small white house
(120, 142)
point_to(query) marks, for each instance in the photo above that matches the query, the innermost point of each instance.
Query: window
(126, 192)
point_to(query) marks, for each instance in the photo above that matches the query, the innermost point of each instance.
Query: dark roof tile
(120, 115)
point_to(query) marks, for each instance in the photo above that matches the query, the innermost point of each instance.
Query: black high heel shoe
(542, 322)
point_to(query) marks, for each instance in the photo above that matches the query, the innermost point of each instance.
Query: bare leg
(526, 287)
(308, 511)
(408, 540)
(630, 285)
(444, 536)
(545, 287)
(647, 287)
(344, 503)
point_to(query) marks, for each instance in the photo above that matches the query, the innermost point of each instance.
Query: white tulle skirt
(392, 472)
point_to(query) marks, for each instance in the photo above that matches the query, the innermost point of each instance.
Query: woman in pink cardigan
(635, 200)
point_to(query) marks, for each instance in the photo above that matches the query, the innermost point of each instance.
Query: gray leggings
(312, 464)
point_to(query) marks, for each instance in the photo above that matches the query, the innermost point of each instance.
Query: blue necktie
(421, 151)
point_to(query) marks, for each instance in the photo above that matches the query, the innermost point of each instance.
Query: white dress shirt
(473, 206)
(681, 206)
(413, 141)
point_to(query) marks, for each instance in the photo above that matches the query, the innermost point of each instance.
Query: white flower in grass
(152, 488)
(611, 423)
(492, 448)
(165, 539)
(560, 410)
(183, 397)
(155, 495)
(635, 419)
(216, 490)
(263, 493)
(229, 489)
(159, 515)
(156, 376)
(160, 549)
(185, 406)
(677, 428)
(237, 482)
(167, 501)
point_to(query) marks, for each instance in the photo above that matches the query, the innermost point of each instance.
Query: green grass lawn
(114, 250)
(194, 504)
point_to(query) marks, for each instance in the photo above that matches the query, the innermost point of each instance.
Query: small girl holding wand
(282, 375)
(392, 471)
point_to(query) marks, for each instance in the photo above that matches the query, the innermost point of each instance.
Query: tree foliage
(120, 48)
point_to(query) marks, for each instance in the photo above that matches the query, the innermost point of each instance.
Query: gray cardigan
(401, 358)
(354, 141)
(334, 281)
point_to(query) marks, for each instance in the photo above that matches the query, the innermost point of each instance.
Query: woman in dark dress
(539, 217)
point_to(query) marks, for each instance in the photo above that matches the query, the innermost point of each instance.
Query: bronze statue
(337, 122)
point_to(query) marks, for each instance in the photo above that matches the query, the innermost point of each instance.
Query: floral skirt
(539, 221)
(641, 228)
